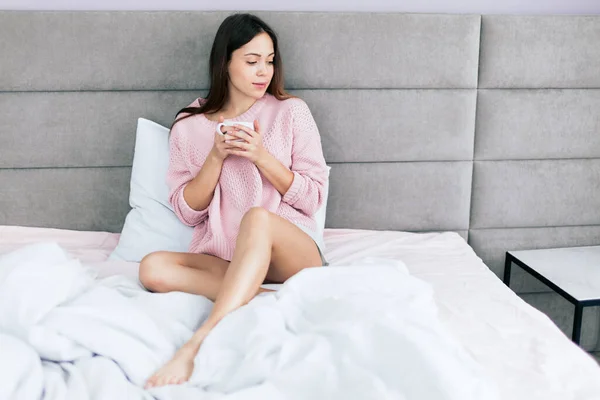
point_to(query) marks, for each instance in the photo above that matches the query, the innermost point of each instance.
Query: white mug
(232, 123)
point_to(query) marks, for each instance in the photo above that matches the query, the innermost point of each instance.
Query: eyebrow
(256, 54)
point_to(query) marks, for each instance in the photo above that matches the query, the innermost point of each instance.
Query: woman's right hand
(220, 147)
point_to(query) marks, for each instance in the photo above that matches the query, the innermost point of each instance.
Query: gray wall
(422, 6)
(484, 125)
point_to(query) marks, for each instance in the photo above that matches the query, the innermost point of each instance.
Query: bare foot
(176, 371)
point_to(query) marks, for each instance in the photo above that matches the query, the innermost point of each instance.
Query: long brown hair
(235, 31)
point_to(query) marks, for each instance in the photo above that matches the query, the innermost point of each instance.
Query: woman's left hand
(251, 147)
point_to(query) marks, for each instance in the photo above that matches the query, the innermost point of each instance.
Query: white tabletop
(576, 270)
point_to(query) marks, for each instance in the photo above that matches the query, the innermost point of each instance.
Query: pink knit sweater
(289, 134)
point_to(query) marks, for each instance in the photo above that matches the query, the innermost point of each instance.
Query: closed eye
(254, 62)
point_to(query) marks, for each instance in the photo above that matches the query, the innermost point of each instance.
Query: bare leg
(267, 246)
(201, 274)
(184, 272)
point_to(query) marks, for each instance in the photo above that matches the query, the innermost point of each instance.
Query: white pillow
(151, 225)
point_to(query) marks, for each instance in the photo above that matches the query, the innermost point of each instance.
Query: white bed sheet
(520, 347)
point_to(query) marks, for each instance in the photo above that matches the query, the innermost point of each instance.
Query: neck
(236, 104)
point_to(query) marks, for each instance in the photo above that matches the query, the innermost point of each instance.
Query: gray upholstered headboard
(488, 126)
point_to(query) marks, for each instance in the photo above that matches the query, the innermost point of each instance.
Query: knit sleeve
(178, 176)
(308, 164)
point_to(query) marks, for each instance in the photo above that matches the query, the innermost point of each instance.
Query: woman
(251, 194)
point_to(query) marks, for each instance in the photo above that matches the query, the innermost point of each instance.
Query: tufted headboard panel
(484, 125)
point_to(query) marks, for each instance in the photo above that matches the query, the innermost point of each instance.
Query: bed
(518, 347)
(442, 209)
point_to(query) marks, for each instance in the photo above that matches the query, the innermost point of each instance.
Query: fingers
(230, 144)
(249, 131)
(240, 145)
(241, 135)
(228, 130)
(256, 125)
(241, 153)
(227, 135)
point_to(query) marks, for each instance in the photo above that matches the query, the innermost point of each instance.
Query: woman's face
(251, 66)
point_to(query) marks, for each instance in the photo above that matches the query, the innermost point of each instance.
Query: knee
(152, 272)
(256, 216)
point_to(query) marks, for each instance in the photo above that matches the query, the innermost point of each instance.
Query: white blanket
(363, 331)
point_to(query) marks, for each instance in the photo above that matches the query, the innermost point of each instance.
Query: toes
(149, 382)
(163, 381)
(153, 381)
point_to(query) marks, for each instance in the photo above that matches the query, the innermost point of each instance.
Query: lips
(260, 85)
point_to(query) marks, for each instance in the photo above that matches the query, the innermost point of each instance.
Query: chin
(256, 94)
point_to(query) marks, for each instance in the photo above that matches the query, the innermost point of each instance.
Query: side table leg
(507, 265)
(577, 323)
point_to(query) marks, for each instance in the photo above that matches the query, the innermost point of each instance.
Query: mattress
(520, 347)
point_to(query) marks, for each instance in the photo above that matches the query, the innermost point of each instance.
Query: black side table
(572, 272)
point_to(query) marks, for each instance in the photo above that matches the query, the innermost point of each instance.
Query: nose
(263, 69)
